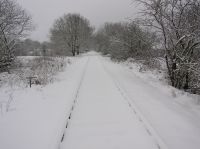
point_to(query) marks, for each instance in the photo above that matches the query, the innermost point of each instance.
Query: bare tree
(178, 21)
(102, 41)
(14, 22)
(125, 40)
(71, 31)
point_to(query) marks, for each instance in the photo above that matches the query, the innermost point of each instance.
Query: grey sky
(44, 12)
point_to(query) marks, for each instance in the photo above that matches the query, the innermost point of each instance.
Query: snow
(157, 79)
(104, 105)
(177, 124)
(38, 118)
(102, 118)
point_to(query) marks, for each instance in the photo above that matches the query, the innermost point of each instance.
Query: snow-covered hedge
(43, 68)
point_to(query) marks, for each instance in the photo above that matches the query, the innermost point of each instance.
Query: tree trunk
(73, 49)
(186, 86)
(170, 71)
(73, 53)
(173, 73)
(78, 51)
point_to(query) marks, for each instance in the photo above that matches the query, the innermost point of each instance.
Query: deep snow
(115, 107)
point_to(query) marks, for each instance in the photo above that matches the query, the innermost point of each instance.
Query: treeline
(125, 40)
(29, 47)
(69, 35)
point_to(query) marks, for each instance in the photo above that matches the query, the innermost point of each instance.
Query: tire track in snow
(132, 105)
(75, 100)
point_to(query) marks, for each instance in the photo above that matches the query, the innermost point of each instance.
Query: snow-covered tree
(178, 22)
(14, 21)
(71, 31)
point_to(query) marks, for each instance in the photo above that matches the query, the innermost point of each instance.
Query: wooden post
(30, 80)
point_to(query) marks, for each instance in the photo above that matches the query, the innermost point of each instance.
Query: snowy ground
(35, 117)
(174, 116)
(96, 103)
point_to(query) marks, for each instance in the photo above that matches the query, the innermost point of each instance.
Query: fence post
(30, 80)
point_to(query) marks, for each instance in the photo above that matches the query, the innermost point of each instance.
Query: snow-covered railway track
(102, 118)
(133, 106)
(69, 115)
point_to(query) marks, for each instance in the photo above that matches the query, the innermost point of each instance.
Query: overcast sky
(44, 12)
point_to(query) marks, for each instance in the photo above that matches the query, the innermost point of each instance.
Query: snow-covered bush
(45, 68)
(153, 63)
